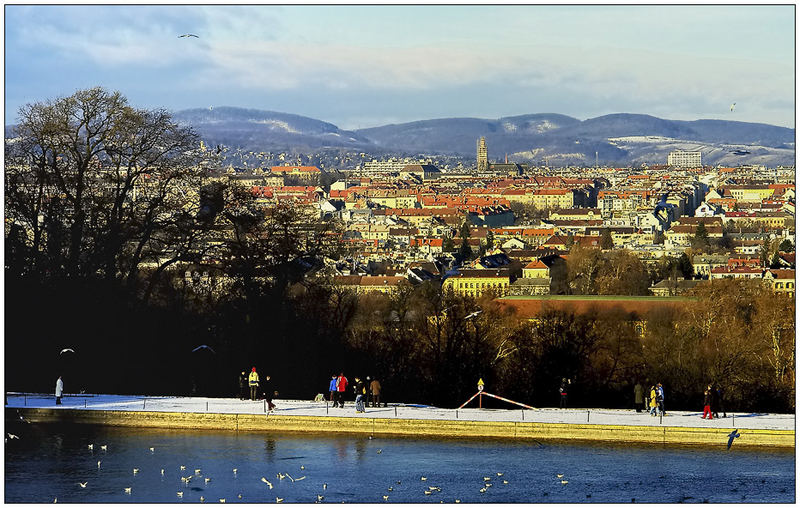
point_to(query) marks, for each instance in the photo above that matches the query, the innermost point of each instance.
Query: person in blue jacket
(333, 389)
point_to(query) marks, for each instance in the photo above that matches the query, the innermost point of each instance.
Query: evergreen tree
(606, 241)
(465, 251)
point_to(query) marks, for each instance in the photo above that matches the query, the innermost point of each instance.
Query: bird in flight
(83, 485)
(188, 35)
(198, 348)
(66, 350)
(12, 436)
(733, 106)
(127, 490)
(733, 435)
(104, 447)
(266, 481)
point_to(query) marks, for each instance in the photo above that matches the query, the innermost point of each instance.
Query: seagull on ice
(152, 449)
(83, 485)
(486, 478)
(183, 468)
(499, 474)
(733, 435)
(66, 350)
(278, 499)
(208, 480)
(198, 348)
(135, 470)
(98, 464)
(320, 497)
(197, 472)
(423, 479)
(385, 498)
(222, 500)
(235, 470)
(324, 486)
(180, 494)
(564, 482)
(560, 475)
(127, 490)
(188, 35)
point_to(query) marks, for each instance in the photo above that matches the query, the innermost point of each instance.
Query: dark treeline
(108, 208)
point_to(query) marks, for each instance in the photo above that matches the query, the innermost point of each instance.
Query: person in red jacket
(707, 396)
(341, 386)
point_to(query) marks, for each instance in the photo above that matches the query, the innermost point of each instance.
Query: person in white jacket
(59, 390)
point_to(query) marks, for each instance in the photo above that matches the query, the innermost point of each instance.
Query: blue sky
(362, 66)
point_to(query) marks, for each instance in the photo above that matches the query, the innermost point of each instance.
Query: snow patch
(277, 125)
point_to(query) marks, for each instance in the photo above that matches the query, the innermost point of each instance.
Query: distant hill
(558, 139)
(257, 130)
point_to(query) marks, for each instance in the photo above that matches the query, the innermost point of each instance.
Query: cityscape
(242, 279)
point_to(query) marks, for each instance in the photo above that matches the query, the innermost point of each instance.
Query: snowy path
(597, 416)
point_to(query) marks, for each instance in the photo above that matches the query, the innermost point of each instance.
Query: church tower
(483, 156)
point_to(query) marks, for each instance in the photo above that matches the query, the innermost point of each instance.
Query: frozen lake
(50, 461)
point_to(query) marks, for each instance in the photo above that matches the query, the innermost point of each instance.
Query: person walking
(375, 388)
(717, 405)
(253, 382)
(341, 386)
(360, 390)
(660, 397)
(269, 392)
(653, 402)
(332, 388)
(707, 403)
(59, 390)
(563, 391)
(243, 385)
(638, 397)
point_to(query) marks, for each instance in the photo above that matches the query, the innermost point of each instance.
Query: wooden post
(144, 402)
(587, 416)
(480, 401)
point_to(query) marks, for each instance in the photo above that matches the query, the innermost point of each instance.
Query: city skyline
(363, 66)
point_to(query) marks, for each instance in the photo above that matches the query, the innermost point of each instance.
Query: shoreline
(610, 426)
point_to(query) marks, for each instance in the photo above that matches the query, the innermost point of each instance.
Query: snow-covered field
(596, 416)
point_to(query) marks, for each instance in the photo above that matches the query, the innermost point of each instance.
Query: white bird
(127, 490)
(280, 476)
(198, 348)
(298, 479)
(83, 485)
(423, 479)
(162, 472)
(427, 492)
(104, 447)
(564, 482)
(188, 35)
(499, 474)
(12, 436)
(135, 470)
(470, 316)
(197, 472)
(560, 475)
(380, 451)
(385, 498)
(320, 498)
(98, 464)
(152, 449)
(391, 489)
(67, 350)
(235, 470)
(222, 500)
(239, 496)
(183, 468)
(733, 106)
(269, 483)
(202, 499)
(290, 477)
(483, 490)
(278, 499)
(302, 467)
(55, 500)
(208, 480)
(91, 447)
(487, 478)
(505, 482)
(324, 486)
(180, 494)
(458, 500)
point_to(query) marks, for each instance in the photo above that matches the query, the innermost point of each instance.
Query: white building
(684, 159)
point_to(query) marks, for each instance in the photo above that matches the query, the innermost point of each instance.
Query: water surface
(48, 462)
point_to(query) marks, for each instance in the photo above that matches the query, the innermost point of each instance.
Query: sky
(361, 66)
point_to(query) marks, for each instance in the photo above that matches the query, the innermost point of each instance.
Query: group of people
(368, 391)
(712, 402)
(254, 383)
(654, 401)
